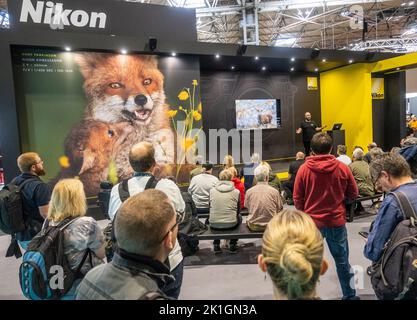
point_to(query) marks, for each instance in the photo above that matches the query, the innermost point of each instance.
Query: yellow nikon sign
(311, 83)
(377, 88)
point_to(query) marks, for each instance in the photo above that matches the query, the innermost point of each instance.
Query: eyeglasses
(178, 219)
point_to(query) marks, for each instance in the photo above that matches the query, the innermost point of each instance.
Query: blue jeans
(173, 289)
(337, 241)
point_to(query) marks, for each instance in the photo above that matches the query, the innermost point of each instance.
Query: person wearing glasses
(142, 160)
(36, 195)
(146, 228)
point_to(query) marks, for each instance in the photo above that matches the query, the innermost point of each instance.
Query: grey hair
(358, 154)
(261, 173)
(255, 157)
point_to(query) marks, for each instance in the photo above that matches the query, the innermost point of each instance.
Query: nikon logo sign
(54, 14)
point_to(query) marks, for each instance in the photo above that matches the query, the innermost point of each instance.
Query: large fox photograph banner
(83, 111)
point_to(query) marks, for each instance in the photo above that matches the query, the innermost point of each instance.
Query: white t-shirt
(137, 185)
(345, 159)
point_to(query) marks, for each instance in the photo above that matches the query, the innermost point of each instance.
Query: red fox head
(121, 87)
(92, 144)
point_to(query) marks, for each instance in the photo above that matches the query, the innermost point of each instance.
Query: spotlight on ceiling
(263, 68)
(316, 69)
(174, 54)
(232, 67)
(67, 48)
(350, 61)
(256, 58)
(123, 51)
(398, 69)
(217, 56)
(292, 59)
(292, 69)
(323, 60)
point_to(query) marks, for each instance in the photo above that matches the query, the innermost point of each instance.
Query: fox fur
(128, 89)
(90, 147)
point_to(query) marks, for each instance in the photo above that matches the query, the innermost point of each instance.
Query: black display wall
(388, 114)
(219, 91)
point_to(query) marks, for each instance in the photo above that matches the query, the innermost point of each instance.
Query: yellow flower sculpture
(64, 162)
(183, 95)
(195, 83)
(187, 143)
(172, 113)
(197, 115)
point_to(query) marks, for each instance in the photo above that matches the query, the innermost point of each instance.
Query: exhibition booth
(68, 63)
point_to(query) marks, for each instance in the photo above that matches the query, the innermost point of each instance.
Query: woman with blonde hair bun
(292, 255)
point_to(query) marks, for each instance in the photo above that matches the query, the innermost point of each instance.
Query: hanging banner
(312, 83)
(377, 88)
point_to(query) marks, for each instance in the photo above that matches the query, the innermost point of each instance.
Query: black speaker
(241, 50)
(152, 44)
(315, 53)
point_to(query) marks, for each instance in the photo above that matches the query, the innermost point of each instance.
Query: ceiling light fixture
(323, 60)
(292, 59)
(263, 68)
(173, 54)
(316, 69)
(233, 67)
(292, 69)
(217, 56)
(350, 60)
(123, 51)
(67, 48)
(256, 58)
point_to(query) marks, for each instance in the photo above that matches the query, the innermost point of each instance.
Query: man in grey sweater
(200, 187)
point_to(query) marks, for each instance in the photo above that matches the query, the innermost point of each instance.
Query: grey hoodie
(224, 204)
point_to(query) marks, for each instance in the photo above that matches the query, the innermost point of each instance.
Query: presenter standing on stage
(308, 128)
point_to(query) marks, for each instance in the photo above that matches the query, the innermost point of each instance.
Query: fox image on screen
(257, 114)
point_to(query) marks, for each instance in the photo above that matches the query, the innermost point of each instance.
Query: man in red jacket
(321, 187)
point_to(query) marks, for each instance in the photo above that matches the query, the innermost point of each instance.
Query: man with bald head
(292, 173)
(142, 160)
(308, 128)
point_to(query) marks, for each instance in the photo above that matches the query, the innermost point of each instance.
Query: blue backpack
(45, 273)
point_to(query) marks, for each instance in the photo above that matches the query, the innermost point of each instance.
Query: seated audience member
(273, 180)
(238, 185)
(292, 255)
(225, 208)
(68, 202)
(375, 153)
(395, 150)
(321, 188)
(146, 228)
(392, 173)
(342, 157)
(199, 167)
(142, 161)
(292, 173)
(35, 195)
(228, 162)
(247, 171)
(360, 171)
(409, 152)
(367, 156)
(200, 187)
(262, 201)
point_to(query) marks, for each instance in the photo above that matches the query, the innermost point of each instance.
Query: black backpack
(109, 231)
(190, 227)
(12, 219)
(45, 261)
(394, 276)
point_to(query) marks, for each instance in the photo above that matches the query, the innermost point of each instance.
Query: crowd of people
(146, 210)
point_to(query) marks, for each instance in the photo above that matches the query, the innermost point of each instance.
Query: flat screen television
(258, 114)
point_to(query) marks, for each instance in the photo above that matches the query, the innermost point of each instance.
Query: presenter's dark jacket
(321, 187)
(127, 277)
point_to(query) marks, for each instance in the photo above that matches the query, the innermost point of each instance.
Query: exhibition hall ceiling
(381, 25)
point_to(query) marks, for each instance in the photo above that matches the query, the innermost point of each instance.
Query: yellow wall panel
(346, 98)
